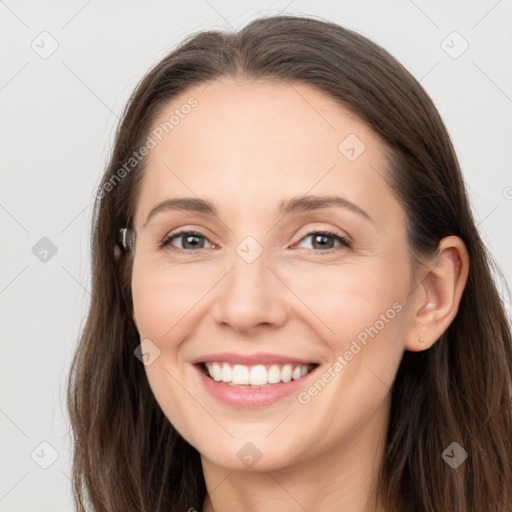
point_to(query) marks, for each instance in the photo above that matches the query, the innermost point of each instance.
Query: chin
(250, 459)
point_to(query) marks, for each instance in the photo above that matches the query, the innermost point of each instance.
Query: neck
(341, 479)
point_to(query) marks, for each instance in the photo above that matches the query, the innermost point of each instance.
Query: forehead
(244, 140)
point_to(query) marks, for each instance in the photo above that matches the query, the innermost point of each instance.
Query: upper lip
(250, 359)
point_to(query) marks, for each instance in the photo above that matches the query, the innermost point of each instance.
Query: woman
(299, 312)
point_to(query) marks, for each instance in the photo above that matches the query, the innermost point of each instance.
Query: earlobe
(439, 295)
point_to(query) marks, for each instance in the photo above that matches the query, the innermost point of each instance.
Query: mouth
(256, 375)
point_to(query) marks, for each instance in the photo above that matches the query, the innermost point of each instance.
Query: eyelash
(344, 243)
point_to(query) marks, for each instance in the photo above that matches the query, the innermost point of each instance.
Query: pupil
(193, 244)
(323, 241)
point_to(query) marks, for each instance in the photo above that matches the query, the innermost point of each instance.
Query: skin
(246, 147)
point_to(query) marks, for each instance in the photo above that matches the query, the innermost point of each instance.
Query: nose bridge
(250, 295)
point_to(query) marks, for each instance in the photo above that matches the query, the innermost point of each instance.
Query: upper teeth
(258, 375)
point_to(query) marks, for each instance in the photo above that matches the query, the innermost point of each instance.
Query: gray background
(59, 113)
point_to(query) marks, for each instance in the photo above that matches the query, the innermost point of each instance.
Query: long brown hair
(128, 457)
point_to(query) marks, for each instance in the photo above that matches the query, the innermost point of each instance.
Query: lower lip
(251, 397)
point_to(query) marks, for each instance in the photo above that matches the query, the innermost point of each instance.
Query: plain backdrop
(67, 69)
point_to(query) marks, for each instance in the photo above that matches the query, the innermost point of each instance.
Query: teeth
(240, 374)
(216, 372)
(286, 373)
(227, 373)
(257, 375)
(274, 374)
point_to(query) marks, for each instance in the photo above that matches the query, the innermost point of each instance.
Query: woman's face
(297, 263)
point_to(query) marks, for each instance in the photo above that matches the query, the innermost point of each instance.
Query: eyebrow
(292, 205)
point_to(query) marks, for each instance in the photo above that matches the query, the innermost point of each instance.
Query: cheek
(163, 307)
(353, 301)
(163, 301)
(362, 318)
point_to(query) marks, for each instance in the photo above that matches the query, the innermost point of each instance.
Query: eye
(190, 241)
(322, 241)
(325, 241)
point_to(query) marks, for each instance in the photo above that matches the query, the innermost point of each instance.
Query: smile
(238, 375)
(252, 380)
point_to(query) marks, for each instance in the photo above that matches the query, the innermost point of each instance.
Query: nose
(250, 298)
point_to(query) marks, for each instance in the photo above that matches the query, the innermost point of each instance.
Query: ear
(438, 296)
